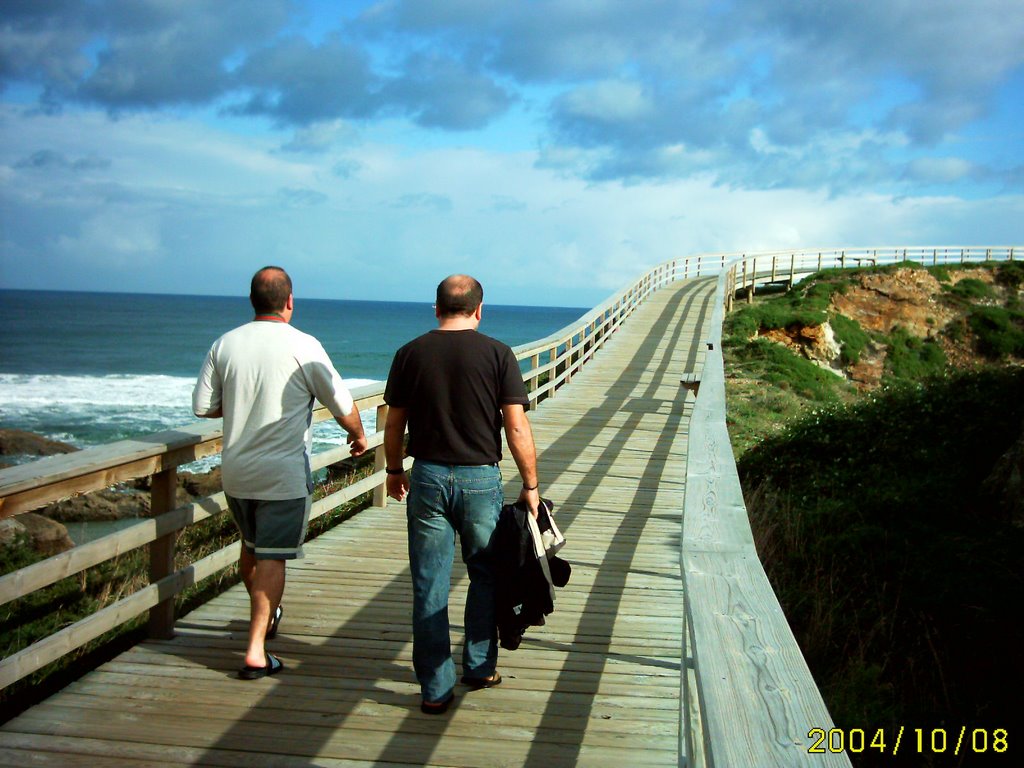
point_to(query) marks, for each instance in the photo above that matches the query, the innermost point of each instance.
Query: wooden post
(380, 492)
(792, 270)
(773, 268)
(163, 495)
(570, 357)
(535, 380)
(553, 372)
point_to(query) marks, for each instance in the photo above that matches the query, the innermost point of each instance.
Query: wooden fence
(749, 687)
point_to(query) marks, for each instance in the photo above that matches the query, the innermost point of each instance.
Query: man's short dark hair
(269, 290)
(458, 295)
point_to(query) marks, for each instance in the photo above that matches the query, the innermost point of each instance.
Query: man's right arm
(206, 396)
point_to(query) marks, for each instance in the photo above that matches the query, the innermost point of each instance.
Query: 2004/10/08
(935, 741)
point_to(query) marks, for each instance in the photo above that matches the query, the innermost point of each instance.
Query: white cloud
(940, 170)
(613, 101)
(580, 141)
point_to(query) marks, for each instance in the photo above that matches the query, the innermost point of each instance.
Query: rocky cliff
(910, 301)
(44, 531)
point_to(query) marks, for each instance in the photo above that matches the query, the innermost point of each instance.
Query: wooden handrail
(751, 713)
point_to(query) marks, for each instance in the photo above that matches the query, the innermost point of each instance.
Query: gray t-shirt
(264, 376)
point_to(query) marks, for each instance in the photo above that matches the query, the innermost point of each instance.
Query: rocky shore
(43, 530)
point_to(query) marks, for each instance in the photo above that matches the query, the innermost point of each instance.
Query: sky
(554, 149)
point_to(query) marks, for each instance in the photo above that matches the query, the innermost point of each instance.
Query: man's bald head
(458, 295)
(269, 290)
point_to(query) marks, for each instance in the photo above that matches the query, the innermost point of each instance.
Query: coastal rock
(202, 484)
(45, 536)
(866, 373)
(16, 442)
(127, 501)
(99, 505)
(815, 342)
(904, 297)
(191, 485)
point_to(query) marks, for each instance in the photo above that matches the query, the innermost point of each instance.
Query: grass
(46, 611)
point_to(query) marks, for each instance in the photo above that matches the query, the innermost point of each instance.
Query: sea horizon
(91, 367)
(298, 297)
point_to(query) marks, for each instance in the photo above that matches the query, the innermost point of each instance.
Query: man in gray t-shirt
(263, 378)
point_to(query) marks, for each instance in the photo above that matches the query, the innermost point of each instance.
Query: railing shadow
(610, 582)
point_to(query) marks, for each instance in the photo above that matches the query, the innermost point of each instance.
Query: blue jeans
(444, 500)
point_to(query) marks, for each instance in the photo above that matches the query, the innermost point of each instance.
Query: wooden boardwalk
(599, 685)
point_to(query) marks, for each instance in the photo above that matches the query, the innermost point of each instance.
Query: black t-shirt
(453, 384)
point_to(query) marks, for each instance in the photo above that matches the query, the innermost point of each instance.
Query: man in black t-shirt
(456, 390)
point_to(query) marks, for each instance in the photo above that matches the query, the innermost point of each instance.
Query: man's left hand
(357, 444)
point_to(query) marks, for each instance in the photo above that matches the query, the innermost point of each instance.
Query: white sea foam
(19, 391)
(89, 410)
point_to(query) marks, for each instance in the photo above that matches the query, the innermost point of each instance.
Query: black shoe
(482, 682)
(437, 707)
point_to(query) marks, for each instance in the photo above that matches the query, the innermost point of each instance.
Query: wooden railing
(746, 271)
(748, 689)
(750, 700)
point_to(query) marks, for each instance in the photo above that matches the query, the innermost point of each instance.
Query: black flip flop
(274, 665)
(274, 621)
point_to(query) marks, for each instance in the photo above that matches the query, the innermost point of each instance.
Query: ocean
(91, 368)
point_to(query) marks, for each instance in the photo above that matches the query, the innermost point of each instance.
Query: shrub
(998, 332)
(1010, 274)
(911, 358)
(894, 576)
(971, 289)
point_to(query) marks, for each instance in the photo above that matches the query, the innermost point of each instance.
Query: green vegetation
(852, 338)
(897, 566)
(873, 525)
(999, 331)
(911, 358)
(798, 307)
(40, 614)
(970, 289)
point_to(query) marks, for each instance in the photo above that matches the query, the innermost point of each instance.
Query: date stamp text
(935, 741)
